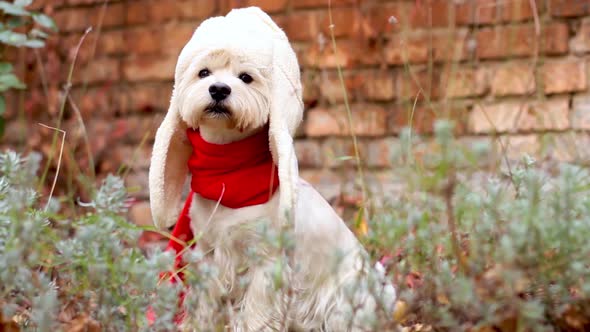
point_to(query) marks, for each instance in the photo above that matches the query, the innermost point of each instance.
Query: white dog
(236, 80)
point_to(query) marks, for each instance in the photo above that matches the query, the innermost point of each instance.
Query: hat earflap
(168, 171)
(286, 112)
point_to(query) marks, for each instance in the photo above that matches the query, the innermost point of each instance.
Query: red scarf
(240, 173)
(237, 174)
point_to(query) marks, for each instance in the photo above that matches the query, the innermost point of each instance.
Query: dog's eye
(204, 73)
(246, 78)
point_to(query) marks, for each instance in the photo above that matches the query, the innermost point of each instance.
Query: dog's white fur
(331, 285)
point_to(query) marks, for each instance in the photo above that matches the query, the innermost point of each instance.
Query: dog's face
(220, 87)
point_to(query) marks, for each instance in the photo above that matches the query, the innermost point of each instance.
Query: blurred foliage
(19, 27)
(475, 250)
(468, 250)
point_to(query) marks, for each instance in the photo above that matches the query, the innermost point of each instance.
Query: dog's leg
(362, 297)
(264, 306)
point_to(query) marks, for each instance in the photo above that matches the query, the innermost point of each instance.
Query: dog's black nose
(219, 91)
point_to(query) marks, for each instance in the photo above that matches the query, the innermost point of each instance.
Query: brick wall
(500, 71)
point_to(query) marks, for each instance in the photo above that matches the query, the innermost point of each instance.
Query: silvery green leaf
(13, 9)
(38, 33)
(10, 81)
(34, 43)
(5, 67)
(13, 38)
(22, 3)
(45, 21)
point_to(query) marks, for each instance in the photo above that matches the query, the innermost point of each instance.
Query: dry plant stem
(42, 73)
(61, 150)
(504, 149)
(349, 118)
(67, 87)
(124, 169)
(448, 193)
(410, 159)
(81, 122)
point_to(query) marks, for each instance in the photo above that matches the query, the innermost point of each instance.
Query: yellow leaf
(361, 225)
(400, 311)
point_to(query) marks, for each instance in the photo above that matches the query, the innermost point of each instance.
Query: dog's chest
(217, 225)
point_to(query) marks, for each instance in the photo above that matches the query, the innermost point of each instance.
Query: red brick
(464, 82)
(98, 70)
(136, 158)
(308, 153)
(79, 19)
(514, 116)
(149, 68)
(379, 152)
(515, 147)
(421, 118)
(146, 97)
(157, 11)
(331, 89)
(555, 38)
(377, 85)
(380, 17)
(108, 43)
(450, 46)
(301, 26)
(433, 13)
(114, 15)
(568, 147)
(83, 2)
(581, 112)
(477, 12)
(515, 78)
(323, 55)
(138, 12)
(136, 128)
(310, 80)
(520, 10)
(327, 182)
(269, 6)
(345, 21)
(320, 3)
(175, 36)
(111, 42)
(581, 42)
(98, 99)
(520, 40)
(414, 47)
(339, 152)
(68, 45)
(418, 83)
(196, 8)
(564, 76)
(407, 48)
(367, 120)
(163, 10)
(569, 7)
(72, 19)
(143, 40)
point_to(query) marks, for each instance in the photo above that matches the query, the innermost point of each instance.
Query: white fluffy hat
(252, 32)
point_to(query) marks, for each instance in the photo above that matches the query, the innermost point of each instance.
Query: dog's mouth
(217, 111)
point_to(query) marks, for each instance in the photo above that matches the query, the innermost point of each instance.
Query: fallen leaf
(82, 323)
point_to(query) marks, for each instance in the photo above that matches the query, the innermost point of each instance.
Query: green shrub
(489, 250)
(56, 268)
